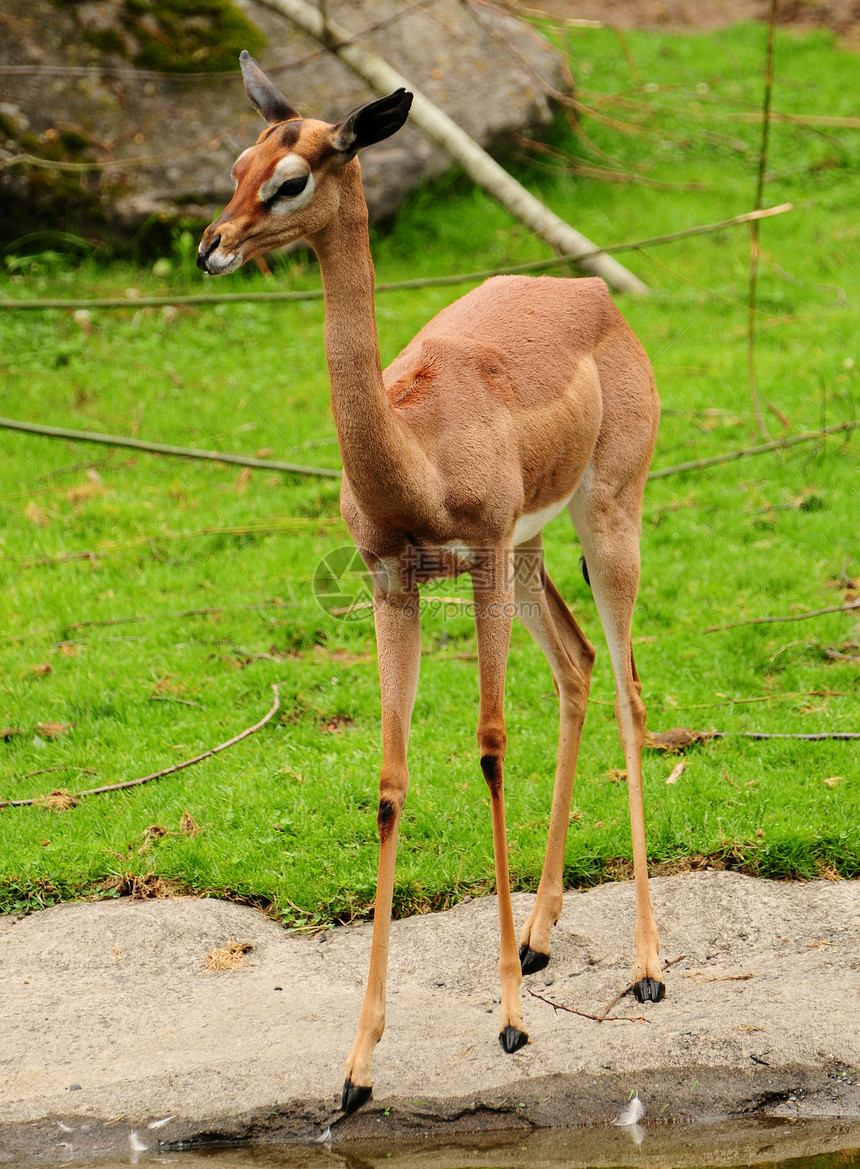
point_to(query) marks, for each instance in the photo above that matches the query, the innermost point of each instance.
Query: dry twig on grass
(59, 799)
(760, 449)
(679, 738)
(159, 448)
(848, 607)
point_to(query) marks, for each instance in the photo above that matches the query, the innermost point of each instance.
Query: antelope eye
(291, 187)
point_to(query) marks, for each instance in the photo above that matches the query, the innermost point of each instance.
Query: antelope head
(288, 184)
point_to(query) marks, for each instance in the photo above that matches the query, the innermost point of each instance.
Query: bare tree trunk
(462, 148)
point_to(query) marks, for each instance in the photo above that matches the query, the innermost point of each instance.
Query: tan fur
(523, 395)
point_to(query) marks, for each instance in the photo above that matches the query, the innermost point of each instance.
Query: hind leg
(610, 541)
(571, 657)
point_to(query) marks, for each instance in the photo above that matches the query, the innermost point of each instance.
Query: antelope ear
(263, 95)
(371, 123)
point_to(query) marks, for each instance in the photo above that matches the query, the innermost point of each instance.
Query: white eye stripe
(287, 204)
(235, 164)
(288, 168)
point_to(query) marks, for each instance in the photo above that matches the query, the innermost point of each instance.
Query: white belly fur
(531, 523)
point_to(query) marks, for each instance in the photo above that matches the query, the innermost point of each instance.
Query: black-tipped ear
(371, 123)
(268, 100)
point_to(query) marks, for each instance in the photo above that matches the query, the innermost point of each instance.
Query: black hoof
(649, 990)
(354, 1095)
(512, 1040)
(531, 960)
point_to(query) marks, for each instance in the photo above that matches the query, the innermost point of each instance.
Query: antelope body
(525, 396)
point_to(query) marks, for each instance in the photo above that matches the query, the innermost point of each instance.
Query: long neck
(380, 457)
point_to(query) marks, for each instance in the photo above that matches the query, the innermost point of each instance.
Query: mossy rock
(173, 36)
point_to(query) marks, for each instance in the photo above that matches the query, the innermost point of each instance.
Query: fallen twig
(63, 767)
(723, 978)
(759, 449)
(679, 738)
(159, 448)
(173, 698)
(604, 1016)
(787, 696)
(69, 800)
(586, 1015)
(815, 737)
(830, 651)
(848, 607)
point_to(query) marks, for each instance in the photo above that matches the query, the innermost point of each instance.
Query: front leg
(398, 640)
(493, 586)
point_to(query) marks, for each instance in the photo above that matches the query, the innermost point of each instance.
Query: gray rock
(169, 139)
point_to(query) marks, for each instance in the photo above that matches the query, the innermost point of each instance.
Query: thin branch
(571, 164)
(113, 787)
(585, 1015)
(62, 767)
(827, 121)
(848, 607)
(680, 738)
(739, 701)
(395, 285)
(831, 652)
(816, 737)
(173, 698)
(106, 621)
(207, 143)
(754, 248)
(760, 449)
(604, 1016)
(158, 448)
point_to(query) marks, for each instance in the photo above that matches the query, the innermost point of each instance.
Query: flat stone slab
(110, 1020)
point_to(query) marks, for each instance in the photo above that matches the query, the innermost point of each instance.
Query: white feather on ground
(632, 1114)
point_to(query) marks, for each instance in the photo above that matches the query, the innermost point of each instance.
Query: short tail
(584, 568)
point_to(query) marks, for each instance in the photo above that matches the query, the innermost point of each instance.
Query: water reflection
(728, 1145)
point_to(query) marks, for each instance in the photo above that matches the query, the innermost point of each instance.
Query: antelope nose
(205, 251)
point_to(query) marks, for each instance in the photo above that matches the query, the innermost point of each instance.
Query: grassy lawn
(148, 604)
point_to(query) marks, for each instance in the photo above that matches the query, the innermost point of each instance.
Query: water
(729, 1145)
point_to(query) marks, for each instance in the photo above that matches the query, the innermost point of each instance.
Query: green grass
(288, 816)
